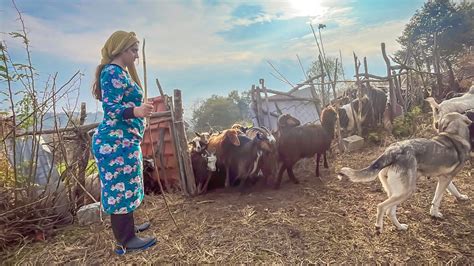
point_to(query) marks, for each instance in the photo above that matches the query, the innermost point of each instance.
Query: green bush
(90, 169)
(405, 126)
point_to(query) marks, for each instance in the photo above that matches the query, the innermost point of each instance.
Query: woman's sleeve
(113, 84)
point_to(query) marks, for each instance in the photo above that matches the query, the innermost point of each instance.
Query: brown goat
(296, 142)
(221, 145)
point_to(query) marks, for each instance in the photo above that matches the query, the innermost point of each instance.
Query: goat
(268, 163)
(296, 141)
(346, 116)
(203, 163)
(244, 160)
(199, 142)
(221, 145)
(240, 128)
(378, 99)
(457, 104)
(150, 184)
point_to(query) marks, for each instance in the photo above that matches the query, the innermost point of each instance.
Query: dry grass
(328, 221)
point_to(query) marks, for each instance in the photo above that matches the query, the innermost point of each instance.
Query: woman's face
(130, 55)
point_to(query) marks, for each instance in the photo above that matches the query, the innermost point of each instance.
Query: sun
(307, 8)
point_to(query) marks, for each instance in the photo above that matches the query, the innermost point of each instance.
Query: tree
(315, 70)
(221, 112)
(452, 23)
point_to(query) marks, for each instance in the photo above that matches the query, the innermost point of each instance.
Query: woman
(116, 142)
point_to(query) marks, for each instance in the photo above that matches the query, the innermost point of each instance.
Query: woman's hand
(143, 110)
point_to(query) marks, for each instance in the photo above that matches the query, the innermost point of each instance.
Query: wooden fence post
(357, 118)
(82, 154)
(393, 100)
(323, 92)
(188, 181)
(262, 83)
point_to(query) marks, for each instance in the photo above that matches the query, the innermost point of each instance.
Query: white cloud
(184, 35)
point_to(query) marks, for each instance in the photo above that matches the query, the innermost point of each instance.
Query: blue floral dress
(116, 143)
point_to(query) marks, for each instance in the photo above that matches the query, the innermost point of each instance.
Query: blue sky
(204, 47)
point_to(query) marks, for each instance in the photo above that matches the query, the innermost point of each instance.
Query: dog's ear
(466, 120)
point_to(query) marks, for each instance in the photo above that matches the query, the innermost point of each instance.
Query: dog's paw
(462, 197)
(378, 229)
(436, 215)
(403, 227)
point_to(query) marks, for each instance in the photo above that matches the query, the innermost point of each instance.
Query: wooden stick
(160, 88)
(145, 87)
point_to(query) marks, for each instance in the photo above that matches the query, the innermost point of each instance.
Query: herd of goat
(240, 154)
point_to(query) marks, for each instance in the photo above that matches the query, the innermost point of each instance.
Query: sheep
(203, 163)
(268, 163)
(244, 160)
(221, 145)
(296, 141)
(92, 185)
(457, 104)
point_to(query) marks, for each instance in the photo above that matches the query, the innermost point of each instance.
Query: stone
(90, 214)
(353, 143)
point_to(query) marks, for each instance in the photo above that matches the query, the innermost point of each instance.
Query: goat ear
(234, 139)
(197, 134)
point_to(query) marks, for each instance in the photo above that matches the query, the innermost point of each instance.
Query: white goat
(457, 104)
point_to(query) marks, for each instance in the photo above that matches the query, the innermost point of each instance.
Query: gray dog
(443, 157)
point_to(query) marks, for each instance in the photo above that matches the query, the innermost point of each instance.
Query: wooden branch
(145, 87)
(159, 88)
(306, 82)
(279, 92)
(294, 99)
(84, 128)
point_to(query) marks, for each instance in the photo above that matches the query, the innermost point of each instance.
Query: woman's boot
(123, 227)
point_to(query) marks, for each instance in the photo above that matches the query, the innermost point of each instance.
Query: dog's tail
(370, 173)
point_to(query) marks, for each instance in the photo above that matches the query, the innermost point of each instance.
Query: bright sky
(205, 47)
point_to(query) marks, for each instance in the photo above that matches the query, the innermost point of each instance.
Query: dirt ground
(316, 221)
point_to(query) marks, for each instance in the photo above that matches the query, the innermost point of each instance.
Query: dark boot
(142, 227)
(124, 231)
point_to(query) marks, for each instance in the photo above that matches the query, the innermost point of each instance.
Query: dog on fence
(443, 157)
